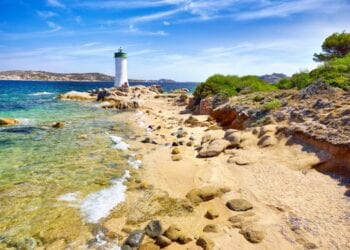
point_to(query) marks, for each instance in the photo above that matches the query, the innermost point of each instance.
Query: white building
(121, 68)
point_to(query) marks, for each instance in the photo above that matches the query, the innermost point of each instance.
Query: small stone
(189, 144)
(265, 141)
(175, 234)
(154, 228)
(83, 137)
(163, 241)
(205, 243)
(240, 219)
(211, 214)
(175, 144)
(135, 238)
(206, 193)
(210, 228)
(58, 125)
(241, 162)
(252, 234)
(146, 140)
(239, 205)
(175, 151)
(310, 245)
(176, 157)
(149, 246)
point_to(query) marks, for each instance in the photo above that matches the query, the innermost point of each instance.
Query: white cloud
(54, 27)
(56, 3)
(134, 30)
(45, 14)
(155, 16)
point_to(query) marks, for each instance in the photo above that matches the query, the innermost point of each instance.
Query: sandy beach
(294, 206)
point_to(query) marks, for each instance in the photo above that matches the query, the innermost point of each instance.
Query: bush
(227, 86)
(274, 104)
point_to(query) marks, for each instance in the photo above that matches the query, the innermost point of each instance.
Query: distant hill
(49, 76)
(273, 78)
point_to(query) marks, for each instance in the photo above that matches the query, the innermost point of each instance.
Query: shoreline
(278, 180)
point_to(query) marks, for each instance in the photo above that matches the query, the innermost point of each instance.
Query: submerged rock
(76, 95)
(58, 125)
(163, 241)
(8, 121)
(239, 205)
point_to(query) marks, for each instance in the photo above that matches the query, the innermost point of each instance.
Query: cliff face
(48, 76)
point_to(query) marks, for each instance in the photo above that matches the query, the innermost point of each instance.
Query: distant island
(32, 75)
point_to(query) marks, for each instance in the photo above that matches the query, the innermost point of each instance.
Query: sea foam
(98, 205)
(41, 93)
(119, 143)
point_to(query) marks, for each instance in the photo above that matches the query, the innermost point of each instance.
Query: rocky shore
(256, 171)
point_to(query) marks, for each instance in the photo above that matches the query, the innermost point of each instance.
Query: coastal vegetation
(231, 85)
(334, 70)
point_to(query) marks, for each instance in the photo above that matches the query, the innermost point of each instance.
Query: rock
(8, 121)
(192, 122)
(316, 89)
(135, 238)
(175, 151)
(206, 138)
(279, 116)
(205, 243)
(211, 214)
(27, 244)
(174, 233)
(146, 140)
(210, 228)
(252, 234)
(240, 219)
(320, 104)
(206, 106)
(241, 162)
(76, 95)
(213, 148)
(189, 144)
(265, 141)
(207, 193)
(239, 205)
(163, 241)
(296, 116)
(83, 137)
(176, 157)
(310, 245)
(58, 125)
(233, 137)
(154, 229)
(231, 159)
(149, 246)
(127, 247)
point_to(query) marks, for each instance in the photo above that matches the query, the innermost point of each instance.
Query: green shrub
(285, 83)
(274, 104)
(227, 86)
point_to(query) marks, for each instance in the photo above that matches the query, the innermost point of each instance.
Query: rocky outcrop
(213, 148)
(76, 95)
(8, 121)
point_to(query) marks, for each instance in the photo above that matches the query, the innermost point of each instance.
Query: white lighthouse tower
(121, 69)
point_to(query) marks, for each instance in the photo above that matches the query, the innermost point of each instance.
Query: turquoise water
(47, 174)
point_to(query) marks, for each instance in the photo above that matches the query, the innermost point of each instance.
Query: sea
(59, 184)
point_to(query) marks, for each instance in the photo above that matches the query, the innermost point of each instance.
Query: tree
(336, 45)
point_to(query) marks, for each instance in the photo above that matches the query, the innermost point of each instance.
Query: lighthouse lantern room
(121, 69)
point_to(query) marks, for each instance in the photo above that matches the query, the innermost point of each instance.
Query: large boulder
(207, 193)
(8, 121)
(76, 95)
(206, 106)
(213, 148)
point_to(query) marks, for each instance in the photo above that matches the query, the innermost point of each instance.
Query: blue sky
(185, 40)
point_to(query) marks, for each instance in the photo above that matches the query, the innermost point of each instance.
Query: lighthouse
(121, 69)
